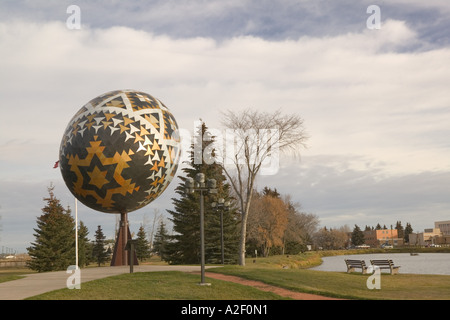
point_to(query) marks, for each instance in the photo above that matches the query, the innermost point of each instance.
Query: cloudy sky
(376, 102)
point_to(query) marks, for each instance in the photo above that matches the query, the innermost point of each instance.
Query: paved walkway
(269, 288)
(38, 283)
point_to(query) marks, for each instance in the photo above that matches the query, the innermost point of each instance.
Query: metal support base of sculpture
(120, 255)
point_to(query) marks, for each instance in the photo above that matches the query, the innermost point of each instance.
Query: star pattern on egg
(120, 151)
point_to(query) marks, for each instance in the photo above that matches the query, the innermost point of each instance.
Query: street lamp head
(211, 183)
(200, 177)
(213, 204)
(189, 185)
(227, 204)
(221, 200)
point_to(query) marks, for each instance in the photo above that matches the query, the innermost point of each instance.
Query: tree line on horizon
(344, 236)
(276, 226)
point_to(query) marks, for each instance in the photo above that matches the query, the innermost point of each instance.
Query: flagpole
(76, 233)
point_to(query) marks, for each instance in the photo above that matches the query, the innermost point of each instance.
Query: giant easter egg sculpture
(120, 151)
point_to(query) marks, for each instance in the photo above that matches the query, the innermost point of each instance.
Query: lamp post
(221, 206)
(209, 187)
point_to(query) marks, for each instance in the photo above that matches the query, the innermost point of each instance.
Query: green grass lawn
(289, 272)
(339, 284)
(351, 286)
(8, 274)
(172, 285)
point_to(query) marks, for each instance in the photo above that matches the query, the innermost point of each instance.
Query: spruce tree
(400, 230)
(142, 245)
(84, 246)
(99, 252)
(161, 241)
(271, 193)
(213, 246)
(54, 247)
(408, 231)
(185, 245)
(357, 236)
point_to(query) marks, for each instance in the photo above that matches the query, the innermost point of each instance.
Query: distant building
(425, 238)
(444, 226)
(376, 238)
(437, 236)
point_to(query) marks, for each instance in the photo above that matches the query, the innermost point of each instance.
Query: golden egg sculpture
(120, 151)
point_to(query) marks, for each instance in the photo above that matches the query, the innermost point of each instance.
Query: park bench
(355, 264)
(385, 264)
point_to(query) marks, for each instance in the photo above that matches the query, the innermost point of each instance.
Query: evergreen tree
(54, 247)
(109, 251)
(408, 231)
(161, 240)
(357, 236)
(400, 230)
(271, 193)
(142, 245)
(185, 245)
(213, 246)
(84, 246)
(99, 252)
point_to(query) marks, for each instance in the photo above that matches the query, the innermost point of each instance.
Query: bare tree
(151, 226)
(331, 239)
(257, 139)
(301, 226)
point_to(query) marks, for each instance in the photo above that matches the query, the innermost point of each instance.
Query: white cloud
(436, 4)
(363, 97)
(349, 87)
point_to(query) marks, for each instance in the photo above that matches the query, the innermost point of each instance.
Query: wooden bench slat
(385, 264)
(354, 264)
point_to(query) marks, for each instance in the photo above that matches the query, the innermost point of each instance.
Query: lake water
(423, 263)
